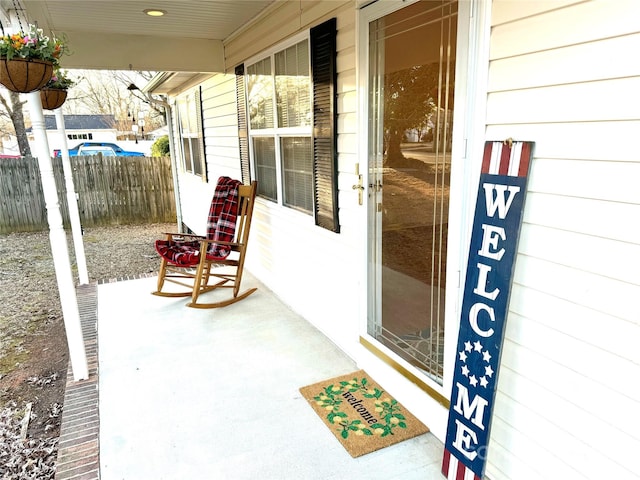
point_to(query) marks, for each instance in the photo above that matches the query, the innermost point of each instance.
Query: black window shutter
(243, 138)
(325, 158)
(202, 157)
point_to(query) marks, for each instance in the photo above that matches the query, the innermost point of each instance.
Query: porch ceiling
(118, 35)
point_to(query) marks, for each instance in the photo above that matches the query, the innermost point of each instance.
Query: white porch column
(58, 241)
(72, 201)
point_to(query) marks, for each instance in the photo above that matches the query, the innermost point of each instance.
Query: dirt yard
(33, 348)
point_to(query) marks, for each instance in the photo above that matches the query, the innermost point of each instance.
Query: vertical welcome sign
(494, 239)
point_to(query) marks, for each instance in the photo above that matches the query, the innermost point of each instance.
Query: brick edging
(78, 445)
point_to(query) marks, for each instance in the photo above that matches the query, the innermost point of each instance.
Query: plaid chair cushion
(221, 226)
(180, 253)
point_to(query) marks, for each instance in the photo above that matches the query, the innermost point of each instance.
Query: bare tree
(95, 92)
(13, 109)
(129, 79)
(107, 93)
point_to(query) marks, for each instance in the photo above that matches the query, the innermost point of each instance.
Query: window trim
(325, 166)
(289, 42)
(276, 132)
(198, 141)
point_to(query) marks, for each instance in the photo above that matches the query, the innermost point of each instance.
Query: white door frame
(468, 139)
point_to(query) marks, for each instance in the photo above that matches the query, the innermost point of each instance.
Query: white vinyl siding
(221, 126)
(287, 249)
(280, 21)
(221, 147)
(564, 75)
(285, 242)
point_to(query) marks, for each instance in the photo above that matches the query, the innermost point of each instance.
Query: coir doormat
(362, 416)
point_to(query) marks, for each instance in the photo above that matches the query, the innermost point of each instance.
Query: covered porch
(188, 393)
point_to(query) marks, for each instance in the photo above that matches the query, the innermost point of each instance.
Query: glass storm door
(410, 83)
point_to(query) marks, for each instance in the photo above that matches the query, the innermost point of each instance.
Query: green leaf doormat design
(362, 416)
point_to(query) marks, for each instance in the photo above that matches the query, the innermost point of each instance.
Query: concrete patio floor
(189, 394)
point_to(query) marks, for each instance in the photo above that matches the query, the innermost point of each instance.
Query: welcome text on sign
(491, 259)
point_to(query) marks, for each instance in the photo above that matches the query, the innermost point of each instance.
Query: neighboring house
(559, 73)
(83, 128)
(79, 128)
(158, 132)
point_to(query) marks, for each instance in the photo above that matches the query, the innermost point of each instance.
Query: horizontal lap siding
(564, 75)
(286, 243)
(221, 150)
(279, 22)
(221, 127)
(549, 67)
(567, 103)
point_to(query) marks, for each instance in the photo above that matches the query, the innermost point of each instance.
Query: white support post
(58, 241)
(72, 201)
(174, 167)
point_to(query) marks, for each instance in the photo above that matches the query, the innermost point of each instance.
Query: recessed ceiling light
(154, 12)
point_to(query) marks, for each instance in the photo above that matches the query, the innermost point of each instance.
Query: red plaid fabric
(182, 253)
(222, 217)
(221, 227)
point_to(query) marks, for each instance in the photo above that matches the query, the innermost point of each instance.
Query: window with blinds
(293, 86)
(190, 123)
(281, 144)
(293, 155)
(297, 166)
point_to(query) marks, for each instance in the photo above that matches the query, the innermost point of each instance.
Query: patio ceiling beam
(140, 52)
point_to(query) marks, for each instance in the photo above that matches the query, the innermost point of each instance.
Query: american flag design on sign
(492, 253)
(454, 469)
(507, 158)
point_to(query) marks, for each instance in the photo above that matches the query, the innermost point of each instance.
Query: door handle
(358, 186)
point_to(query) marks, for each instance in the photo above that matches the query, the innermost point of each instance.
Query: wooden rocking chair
(183, 261)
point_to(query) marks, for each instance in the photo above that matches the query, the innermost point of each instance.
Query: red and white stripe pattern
(506, 158)
(454, 469)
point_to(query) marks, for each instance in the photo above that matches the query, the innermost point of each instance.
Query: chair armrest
(175, 235)
(219, 242)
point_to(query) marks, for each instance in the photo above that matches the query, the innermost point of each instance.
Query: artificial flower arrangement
(27, 59)
(59, 80)
(32, 45)
(54, 92)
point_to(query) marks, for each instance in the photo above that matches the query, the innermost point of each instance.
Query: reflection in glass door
(411, 84)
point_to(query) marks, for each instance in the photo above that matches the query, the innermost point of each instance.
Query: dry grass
(33, 348)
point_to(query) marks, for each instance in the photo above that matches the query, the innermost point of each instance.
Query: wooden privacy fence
(110, 190)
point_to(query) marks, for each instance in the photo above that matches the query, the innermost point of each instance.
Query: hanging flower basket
(25, 75)
(52, 98)
(54, 93)
(27, 59)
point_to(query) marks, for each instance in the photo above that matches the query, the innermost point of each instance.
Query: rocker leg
(197, 281)
(161, 273)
